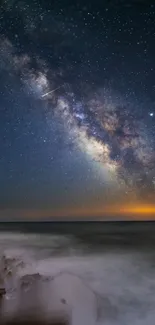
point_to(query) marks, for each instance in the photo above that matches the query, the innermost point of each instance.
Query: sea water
(95, 274)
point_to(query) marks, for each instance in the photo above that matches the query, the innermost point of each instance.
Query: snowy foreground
(53, 276)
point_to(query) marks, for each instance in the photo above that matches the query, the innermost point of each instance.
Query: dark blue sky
(90, 144)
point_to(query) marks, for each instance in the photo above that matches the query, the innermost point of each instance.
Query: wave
(105, 288)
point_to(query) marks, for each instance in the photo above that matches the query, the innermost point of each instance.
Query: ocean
(90, 273)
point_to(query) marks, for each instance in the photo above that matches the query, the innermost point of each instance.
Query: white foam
(108, 288)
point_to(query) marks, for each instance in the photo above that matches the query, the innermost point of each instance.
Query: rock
(29, 280)
(18, 320)
(65, 295)
(2, 292)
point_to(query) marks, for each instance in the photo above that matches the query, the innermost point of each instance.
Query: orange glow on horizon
(127, 212)
(141, 209)
(136, 211)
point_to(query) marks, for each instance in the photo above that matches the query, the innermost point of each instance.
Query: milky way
(108, 133)
(102, 124)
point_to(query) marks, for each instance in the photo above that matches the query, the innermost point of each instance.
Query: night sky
(77, 109)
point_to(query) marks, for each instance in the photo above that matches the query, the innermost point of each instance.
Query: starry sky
(77, 109)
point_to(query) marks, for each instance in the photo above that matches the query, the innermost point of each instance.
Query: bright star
(151, 114)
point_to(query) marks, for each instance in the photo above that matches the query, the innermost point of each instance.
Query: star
(72, 100)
